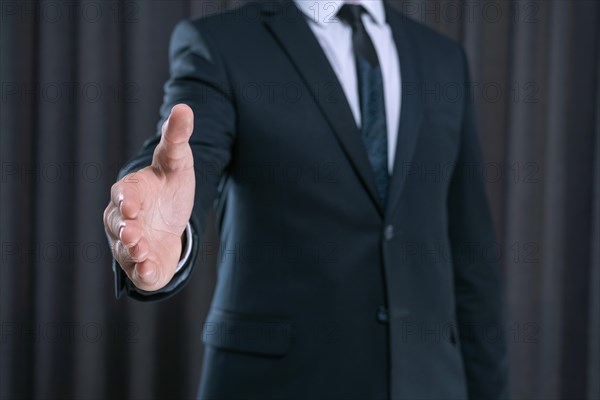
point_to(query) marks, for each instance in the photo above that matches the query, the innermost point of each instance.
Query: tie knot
(350, 13)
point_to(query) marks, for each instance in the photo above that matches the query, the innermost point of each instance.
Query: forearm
(197, 80)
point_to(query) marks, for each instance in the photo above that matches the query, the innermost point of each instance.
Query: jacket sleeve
(477, 282)
(198, 79)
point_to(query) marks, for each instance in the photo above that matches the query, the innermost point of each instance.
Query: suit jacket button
(382, 315)
(388, 232)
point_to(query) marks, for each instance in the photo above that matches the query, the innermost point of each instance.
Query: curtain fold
(81, 86)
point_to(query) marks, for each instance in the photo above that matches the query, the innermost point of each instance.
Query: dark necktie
(372, 100)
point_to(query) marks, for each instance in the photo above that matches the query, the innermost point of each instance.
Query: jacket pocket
(247, 333)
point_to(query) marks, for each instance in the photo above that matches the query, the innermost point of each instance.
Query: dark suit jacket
(322, 291)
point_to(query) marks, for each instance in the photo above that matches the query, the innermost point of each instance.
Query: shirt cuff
(188, 248)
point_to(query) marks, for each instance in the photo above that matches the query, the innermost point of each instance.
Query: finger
(131, 232)
(128, 255)
(128, 194)
(146, 275)
(113, 221)
(121, 254)
(173, 152)
(140, 251)
(132, 254)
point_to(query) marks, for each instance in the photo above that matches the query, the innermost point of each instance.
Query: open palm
(150, 208)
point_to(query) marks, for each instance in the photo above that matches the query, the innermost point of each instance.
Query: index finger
(128, 194)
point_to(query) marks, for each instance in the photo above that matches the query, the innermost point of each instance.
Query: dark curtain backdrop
(81, 85)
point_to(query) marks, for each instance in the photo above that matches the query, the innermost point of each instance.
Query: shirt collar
(323, 11)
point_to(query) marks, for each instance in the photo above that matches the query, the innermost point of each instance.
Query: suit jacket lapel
(290, 28)
(411, 111)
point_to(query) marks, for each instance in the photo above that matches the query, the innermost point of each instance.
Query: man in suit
(355, 230)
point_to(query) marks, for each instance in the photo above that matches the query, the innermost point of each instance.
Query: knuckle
(115, 192)
(117, 253)
(127, 253)
(106, 215)
(125, 236)
(112, 220)
(116, 221)
(121, 253)
(134, 251)
(116, 249)
(114, 189)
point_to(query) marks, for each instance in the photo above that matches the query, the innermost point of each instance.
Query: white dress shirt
(335, 39)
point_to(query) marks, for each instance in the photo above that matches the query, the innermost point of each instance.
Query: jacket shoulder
(421, 30)
(436, 49)
(230, 19)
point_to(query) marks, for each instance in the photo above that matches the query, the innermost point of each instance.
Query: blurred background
(81, 84)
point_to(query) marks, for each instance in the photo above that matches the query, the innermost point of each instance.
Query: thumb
(173, 152)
